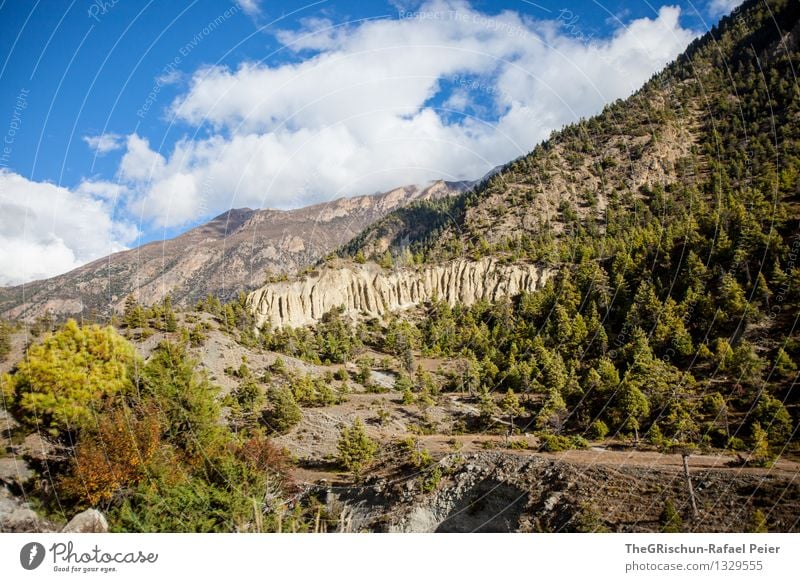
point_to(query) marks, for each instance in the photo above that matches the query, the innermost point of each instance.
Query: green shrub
(5, 339)
(356, 449)
(758, 523)
(760, 454)
(431, 479)
(670, 519)
(555, 443)
(185, 399)
(69, 375)
(598, 430)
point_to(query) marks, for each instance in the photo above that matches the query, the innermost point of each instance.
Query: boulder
(14, 471)
(89, 521)
(17, 517)
(36, 447)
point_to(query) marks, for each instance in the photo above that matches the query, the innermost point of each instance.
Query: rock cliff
(372, 291)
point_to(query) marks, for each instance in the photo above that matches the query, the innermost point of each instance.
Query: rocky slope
(370, 290)
(507, 492)
(233, 252)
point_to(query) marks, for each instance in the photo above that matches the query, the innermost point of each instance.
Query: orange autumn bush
(113, 456)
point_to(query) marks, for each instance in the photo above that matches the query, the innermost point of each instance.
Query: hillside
(670, 221)
(722, 119)
(234, 252)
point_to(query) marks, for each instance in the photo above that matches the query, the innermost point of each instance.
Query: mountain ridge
(234, 251)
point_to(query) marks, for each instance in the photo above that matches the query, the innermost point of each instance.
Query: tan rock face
(372, 291)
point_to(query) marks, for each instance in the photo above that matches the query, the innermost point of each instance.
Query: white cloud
(720, 7)
(169, 78)
(104, 143)
(316, 34)
(47, 229)
(103, 190)
(250, 7)
(356, 116)
(140, 163)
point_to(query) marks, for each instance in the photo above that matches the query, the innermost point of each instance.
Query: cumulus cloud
(104, 143)
(47, 229)
(720, 7)
(355, 113)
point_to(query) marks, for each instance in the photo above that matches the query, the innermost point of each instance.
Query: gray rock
(14, 471)
(7, 426)
(89, 521)
(17, 517)
(7, 421)
(36, 447)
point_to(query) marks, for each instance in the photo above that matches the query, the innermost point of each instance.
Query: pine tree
(170, 323)
(772, 414)
(762, 291)
(631, 407)
(386, 260)
(758, 522)
(66, 378)
(284, 412)
(759, 448)
(186, 399)
(732, 300)
(5, 339)
(511, 406)
(553, 413)
(133, 316)
(746, 364)
(356, 449)
(784, 366)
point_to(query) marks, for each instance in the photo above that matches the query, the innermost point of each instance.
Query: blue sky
(128, 121)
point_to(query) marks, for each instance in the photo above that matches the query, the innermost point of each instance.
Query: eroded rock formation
(372, 291)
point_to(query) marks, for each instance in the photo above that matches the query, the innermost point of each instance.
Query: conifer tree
(356, 449)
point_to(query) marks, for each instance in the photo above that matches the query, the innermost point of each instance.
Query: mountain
(721, 120)
(667, 226)
(235, 251)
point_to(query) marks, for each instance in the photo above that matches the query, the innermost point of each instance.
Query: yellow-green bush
(64, 378)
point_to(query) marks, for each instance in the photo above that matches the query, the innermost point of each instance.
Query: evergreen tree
(185, 398)
(133, 316)
(356, 449)
(630, 408)
(759, 447)
(5, 339)
(784, 365)
(511, 406)
(170, 323)
(553, 413)
(284, 412)
(773, 416)
(758, 522)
